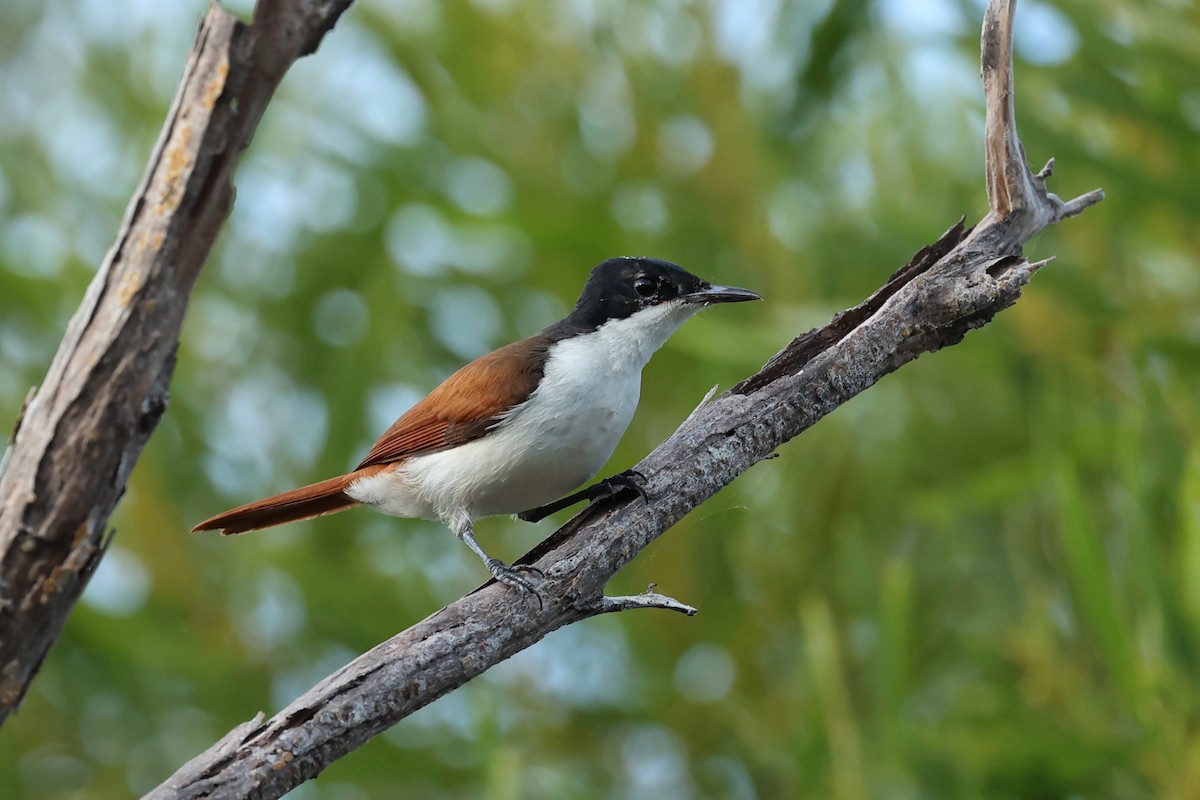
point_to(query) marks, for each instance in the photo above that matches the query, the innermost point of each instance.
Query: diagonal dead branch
(955, 285)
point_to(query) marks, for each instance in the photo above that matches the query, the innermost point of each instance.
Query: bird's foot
(629, 479)
(516, 576)
(609, 487)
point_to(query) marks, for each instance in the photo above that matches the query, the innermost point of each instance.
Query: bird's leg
(609, 487)
(512, 576)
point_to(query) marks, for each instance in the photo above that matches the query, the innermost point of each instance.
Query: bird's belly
(512, 469)
(521, 466)
(565, 453)
(556, 440)
(554, 443)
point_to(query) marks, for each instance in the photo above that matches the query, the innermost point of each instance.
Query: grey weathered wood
(81, 433)
(957, 284)
(1011, 186)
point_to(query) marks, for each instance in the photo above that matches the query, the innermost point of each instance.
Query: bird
(520, 426)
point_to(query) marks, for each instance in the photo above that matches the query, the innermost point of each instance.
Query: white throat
(628, 344)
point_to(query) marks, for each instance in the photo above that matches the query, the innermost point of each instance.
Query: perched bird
(520, 426)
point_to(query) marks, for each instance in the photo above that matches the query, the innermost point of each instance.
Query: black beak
(720, 294)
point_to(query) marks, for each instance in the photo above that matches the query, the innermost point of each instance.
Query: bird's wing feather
(466, 405)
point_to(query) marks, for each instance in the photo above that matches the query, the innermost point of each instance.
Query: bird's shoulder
(467, 404)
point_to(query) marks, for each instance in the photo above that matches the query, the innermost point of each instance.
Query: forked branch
(1015, 193)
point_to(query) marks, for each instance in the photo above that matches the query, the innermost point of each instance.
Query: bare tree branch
(1019, 204)
(958, 283)
(81, 434)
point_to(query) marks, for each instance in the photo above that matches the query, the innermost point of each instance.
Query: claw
(629, 479)
(513, 576)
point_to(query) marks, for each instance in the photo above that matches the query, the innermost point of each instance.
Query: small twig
(1075, 207)
(647, 599)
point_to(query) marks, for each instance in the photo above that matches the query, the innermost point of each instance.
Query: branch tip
(648, 599)
(1077, 206)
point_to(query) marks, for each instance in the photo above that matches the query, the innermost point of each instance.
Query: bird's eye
(644, 286)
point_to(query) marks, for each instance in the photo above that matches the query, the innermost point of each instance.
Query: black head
(620, 287)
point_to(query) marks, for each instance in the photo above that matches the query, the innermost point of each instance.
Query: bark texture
(957, 284)
(81, 433)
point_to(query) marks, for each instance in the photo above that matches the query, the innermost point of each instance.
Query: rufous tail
(314, 500)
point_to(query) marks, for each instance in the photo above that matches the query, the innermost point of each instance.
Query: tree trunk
(80, 435)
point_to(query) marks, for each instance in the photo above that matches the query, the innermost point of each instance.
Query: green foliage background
(981, 579)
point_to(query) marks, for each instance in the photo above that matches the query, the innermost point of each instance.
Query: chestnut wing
(466, 405)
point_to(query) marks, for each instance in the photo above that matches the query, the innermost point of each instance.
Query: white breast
(556, 440)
